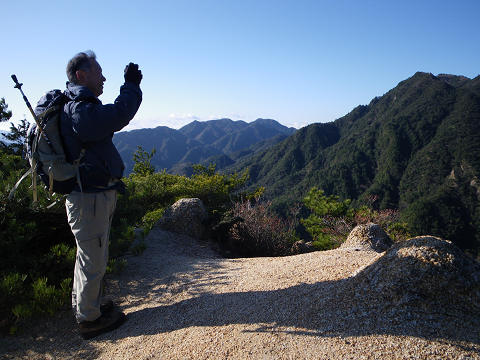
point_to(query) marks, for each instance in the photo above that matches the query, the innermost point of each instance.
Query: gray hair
(81, 61)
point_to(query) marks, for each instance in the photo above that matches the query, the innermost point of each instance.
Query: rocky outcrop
(368, 237)
(186, 216)
(426, 273)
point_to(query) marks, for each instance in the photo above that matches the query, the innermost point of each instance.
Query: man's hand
(132, 74)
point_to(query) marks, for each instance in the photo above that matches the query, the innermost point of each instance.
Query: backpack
(44, 148)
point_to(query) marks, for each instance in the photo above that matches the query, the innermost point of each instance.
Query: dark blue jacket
(87, 124)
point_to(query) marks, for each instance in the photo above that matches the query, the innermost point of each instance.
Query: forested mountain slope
(416, 148)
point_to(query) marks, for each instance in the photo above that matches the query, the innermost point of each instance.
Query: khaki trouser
(90, 217)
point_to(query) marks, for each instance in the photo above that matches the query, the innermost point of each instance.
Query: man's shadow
(307, 309)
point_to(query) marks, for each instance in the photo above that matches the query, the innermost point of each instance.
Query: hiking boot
(105, 323)
(106, 306)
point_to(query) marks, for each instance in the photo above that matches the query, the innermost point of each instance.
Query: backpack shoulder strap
(12, 192)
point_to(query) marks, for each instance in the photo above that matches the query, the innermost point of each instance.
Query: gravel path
(185, 302)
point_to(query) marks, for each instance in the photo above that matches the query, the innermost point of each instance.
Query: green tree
(17, 135)
(323, 209)
(443, 214)
(143, 162)
(5, 114)
(199, 169)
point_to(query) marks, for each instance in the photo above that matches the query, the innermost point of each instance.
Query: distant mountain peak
(422, 74)
(270, 121)
(454, 80)
(199, 140)
(450, 79)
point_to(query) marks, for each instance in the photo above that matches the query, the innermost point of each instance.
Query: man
(87, 128)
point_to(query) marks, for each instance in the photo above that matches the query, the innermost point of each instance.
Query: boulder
(300, 247)
(368, 237)
(186, 216)
(426, 273)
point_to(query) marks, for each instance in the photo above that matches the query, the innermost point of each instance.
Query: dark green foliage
(443, 214)
(12, 289)
(146, 193)
(38, 249)
(143, 162)
(48, 298)
(322, 208)
(27, 231)
(150, 218)
(122, 236)
(331, 220)
(116, 265)
(5, 114)
(17, 136)
(149, 194)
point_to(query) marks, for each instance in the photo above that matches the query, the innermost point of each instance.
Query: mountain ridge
(197, 142)
(400, 148)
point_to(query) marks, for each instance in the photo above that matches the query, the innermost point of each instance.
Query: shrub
(12, 290)
(138, 248)
(115, 266)
(58, 261)
(331, 220)
(256, 232)
(121, 238)
(47, 299)
(37, 247)
(22, 300)
(145, 193)
(150, 218)
(399, 231)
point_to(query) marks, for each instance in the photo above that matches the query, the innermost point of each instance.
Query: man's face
(94, 79)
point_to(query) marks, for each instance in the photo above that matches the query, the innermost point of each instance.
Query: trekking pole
(19, 87)
(39, 126)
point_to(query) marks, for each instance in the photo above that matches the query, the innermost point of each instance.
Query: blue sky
(298, 61)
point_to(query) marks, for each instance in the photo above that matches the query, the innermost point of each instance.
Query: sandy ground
(183, 301)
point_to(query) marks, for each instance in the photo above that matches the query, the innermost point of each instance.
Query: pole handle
(15, 80)
(19, 87)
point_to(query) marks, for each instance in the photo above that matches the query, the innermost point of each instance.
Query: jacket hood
(79, 93)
